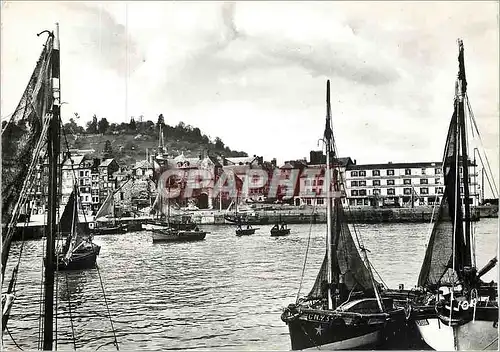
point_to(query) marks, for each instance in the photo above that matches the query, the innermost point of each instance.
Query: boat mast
(328, 139)
(462, 89)
(53, 155)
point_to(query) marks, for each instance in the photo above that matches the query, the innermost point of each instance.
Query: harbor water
(225, 292)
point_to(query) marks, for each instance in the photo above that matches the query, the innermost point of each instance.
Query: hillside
(129, 141)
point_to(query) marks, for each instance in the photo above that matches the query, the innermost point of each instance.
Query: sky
(254, 73)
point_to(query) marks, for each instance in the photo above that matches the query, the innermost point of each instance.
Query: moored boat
(172, 235)
(345, 308)
(455, 309)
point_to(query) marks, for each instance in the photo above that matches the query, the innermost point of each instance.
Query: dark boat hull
(180, 236)
(245, 232)
(313, 329)
(276, 233)
(81, 260)
(110, 230)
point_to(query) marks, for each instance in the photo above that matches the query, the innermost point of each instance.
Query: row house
(401, 184)
(80, 169)
(107, 181)
(312, 190)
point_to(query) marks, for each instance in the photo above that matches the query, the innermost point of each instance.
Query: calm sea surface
(225, 292)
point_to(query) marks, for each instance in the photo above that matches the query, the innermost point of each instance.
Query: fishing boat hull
(277, 233)
(178, 236)
(110, 230)
(465, 331)
(245, 232)
(313, 329)
(85, 258)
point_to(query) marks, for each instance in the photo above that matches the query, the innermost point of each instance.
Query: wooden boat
(108, 209)
(171, 235)
(455, 310)
(109, 230)
(344, 309)
(249, 230)
(280, 229)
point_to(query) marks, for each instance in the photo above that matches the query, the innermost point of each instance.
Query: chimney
(274, 162)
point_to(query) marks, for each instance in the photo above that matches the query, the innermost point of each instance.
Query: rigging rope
(473, 119)
(70, 314)
(107, 308)
(12, 338)
(305, 257)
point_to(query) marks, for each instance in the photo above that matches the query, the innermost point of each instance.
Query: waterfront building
(107, 168)
(401, 184)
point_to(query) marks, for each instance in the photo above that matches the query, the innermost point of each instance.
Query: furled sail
(23, 131)
(23, 138)
(347, 262)
(438, 264)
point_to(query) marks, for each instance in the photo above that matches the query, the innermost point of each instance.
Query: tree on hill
(108, 150)
(103, 125)
(72, 127)
(219, 144)
(92, 125)
(161, 121)
(132, 126)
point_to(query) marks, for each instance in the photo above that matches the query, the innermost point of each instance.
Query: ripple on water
(223, 293)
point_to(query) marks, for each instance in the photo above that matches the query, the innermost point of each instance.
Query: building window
(376, 182)
(390, 172)
(461, 190)
(362, 183)
(308, 201)
(354, 193)
(376, 191)
(354, 183)
(439, 190)
(362, 173)
(424, 190)
(391, 191)
(121, 195)
(376, 173)
(424, 181)
(437, 171)
(390, 182)
(407, 190)
(87, 172)
(307, 182)
(359, 201)
(352, 202)
(407, 171)
(319, 201)
(407, 181)
(362, 192)
(81, 173)
(423, 171)
(320, 182)
(354, 173)
(437, 181)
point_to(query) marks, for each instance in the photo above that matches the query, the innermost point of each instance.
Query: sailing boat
(165, 232)
(241, 230)
(456, 310)
(280, 231)
(344, 309)
(78, 251)
(108, 208)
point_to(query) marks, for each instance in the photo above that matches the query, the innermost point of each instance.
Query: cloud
(254, 73)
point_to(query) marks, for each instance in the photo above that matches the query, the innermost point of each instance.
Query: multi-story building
(312, 188)
(107, 169)
(400, 184)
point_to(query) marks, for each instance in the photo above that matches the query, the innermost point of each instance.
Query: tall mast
(462, 89)
(328, 140)
(53, 155)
